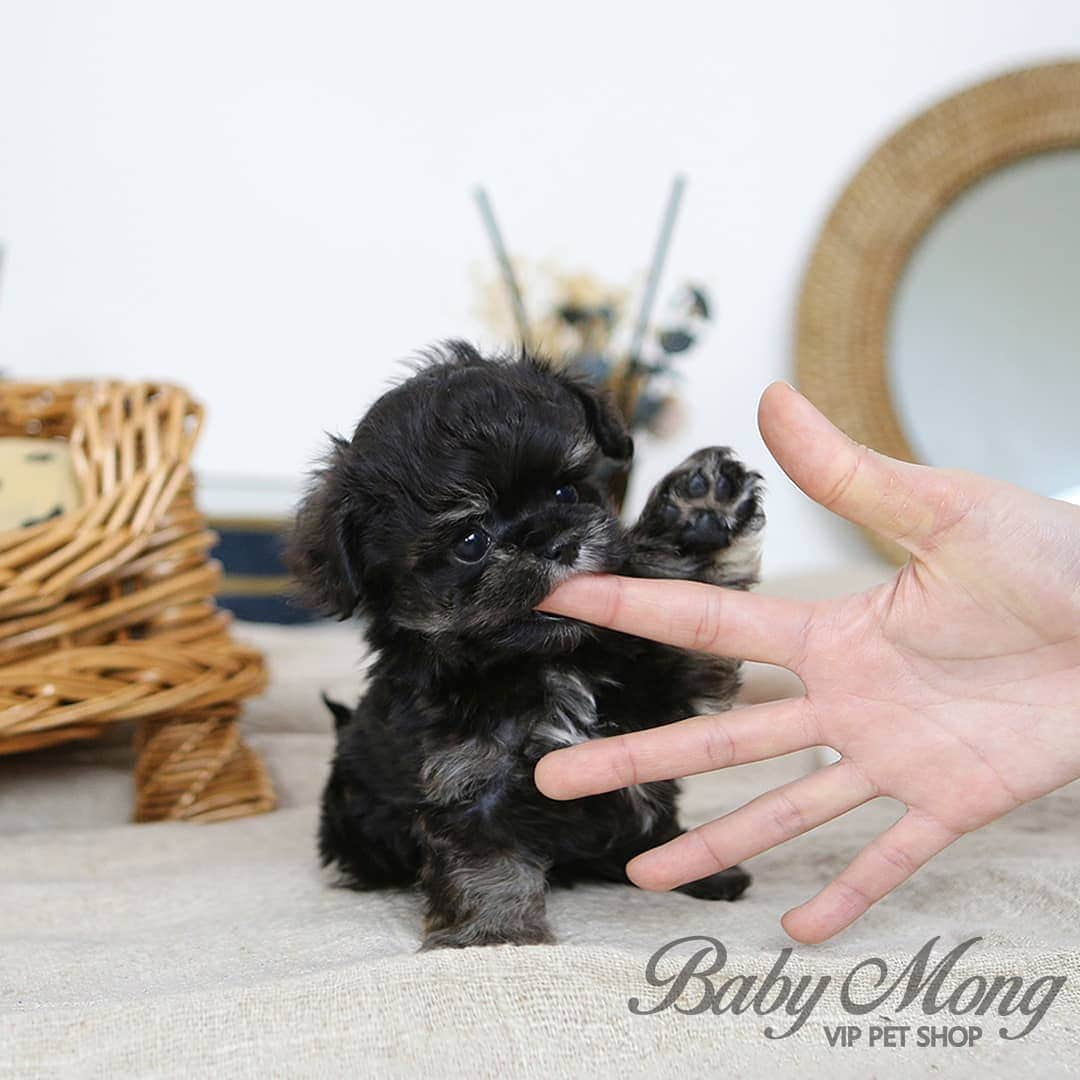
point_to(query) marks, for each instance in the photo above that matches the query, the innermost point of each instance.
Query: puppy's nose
(562, 551)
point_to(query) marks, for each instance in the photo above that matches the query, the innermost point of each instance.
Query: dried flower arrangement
(581, 323)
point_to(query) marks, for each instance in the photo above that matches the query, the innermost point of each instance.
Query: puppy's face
(465, 495)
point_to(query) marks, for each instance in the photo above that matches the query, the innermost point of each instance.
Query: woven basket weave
(107, 611)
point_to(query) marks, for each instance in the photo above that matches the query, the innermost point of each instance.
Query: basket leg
(197, 768)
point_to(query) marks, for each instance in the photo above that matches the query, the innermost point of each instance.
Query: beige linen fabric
(221, 950)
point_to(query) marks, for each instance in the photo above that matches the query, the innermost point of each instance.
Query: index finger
(689, 614)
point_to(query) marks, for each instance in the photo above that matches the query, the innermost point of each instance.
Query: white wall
(270, 202)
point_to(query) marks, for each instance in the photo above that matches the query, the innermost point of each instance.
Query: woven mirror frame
(845, 310)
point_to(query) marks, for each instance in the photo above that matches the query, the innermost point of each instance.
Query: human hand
(954, 687)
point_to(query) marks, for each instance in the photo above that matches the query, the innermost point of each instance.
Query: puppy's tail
(340, 712)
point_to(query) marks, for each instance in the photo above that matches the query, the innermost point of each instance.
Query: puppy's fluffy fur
(464, 496)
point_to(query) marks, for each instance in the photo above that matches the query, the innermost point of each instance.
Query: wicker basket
(107, 611)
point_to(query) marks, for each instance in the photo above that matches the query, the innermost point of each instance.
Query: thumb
(906, 503)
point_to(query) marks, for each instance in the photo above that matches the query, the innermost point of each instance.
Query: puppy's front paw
(707, 503)
(467, 934)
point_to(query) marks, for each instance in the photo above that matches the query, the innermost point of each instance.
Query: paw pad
(697, 485)
(708, 502)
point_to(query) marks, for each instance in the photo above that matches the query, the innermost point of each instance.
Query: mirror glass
(984, 355)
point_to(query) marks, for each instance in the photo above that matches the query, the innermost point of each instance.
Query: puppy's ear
(323, 546)
(603, 419)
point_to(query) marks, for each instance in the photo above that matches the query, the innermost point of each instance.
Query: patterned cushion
(37, 481)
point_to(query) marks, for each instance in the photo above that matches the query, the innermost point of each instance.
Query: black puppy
(464, 497)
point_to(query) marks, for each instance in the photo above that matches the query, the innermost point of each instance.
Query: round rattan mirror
(940, 314)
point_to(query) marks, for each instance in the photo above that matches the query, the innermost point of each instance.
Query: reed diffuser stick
(517, 304)
(656, 269)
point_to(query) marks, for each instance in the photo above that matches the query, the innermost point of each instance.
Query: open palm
(954, 688)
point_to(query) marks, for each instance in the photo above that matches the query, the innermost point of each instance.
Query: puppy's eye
(473, 546)
(566, 493)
